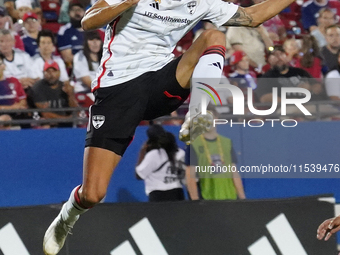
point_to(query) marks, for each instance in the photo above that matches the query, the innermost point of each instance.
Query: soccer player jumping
(139, 79)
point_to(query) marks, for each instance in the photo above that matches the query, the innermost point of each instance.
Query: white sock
(206, 76)
(71, 209)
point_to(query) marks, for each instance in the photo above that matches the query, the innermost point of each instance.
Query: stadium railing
(79, 116)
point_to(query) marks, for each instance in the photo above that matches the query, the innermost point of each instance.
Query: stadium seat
(53, 26)
(50, 9)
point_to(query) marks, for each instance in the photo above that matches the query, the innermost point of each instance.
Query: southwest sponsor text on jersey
(167, 18)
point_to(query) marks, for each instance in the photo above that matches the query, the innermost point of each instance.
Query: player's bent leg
(202, 64)
(98, 168)
(191, 57)
(99, 165)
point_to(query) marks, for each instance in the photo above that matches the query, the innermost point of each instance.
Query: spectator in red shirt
(310, 57)
(12, 94)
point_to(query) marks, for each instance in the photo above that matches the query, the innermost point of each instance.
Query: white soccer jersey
(20, 66)
(81, 69)
(142, 38)
(38, 68)
(156, 172)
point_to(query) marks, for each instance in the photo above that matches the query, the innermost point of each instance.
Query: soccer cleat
(195, 125)
(56, 234)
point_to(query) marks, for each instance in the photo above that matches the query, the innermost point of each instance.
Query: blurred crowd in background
(48, 62)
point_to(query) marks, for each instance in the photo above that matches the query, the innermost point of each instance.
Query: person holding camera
(161, 166)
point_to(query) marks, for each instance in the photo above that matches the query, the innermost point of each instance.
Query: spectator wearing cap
(46, 47)
(18, 63)
(253, 41)
(311, 8)
(6, 23)
(241, 77)
(32, 27)
(70, 36)
(13, 7)
(50, 92)
(283, 75)
(22, 7)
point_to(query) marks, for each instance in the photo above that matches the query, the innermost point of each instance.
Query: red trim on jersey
(77, 199)
(171, 96)
(109, 47)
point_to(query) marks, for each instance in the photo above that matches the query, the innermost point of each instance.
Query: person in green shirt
(213, 161)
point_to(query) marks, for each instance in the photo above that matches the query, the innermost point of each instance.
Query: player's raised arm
(255, 15)
(101, 13)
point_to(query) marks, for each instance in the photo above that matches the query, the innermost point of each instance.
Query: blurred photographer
(161, 166)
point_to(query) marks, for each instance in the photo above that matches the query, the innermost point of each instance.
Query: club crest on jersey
(191, 7)
(98, 121)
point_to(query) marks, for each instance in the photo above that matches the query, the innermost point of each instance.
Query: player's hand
(328, 227)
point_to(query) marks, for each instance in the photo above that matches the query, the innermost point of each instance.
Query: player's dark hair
(90, 35)
(2, 57)
(46, 33)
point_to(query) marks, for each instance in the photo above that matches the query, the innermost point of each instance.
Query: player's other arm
(255, 15)
(328, 228)
(101, 13)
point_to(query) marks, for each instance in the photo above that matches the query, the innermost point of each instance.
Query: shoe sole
(199, 125)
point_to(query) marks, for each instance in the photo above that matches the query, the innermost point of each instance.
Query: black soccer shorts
(119, 109)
